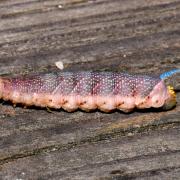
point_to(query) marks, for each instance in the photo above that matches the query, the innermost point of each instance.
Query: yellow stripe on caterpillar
(171, 91)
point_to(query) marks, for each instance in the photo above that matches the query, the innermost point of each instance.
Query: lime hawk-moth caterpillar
(89, 90)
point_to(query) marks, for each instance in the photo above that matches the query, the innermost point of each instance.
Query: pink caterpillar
(89, 90)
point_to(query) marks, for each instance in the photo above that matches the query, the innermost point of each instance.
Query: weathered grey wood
(138, 36)
(82, 33)
(151, 154)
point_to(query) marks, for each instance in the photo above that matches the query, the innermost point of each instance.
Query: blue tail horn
(169, 73)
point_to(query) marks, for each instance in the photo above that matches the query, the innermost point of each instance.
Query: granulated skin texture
(86, 90)
(84, 83)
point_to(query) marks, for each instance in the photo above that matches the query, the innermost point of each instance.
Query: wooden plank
(93, 36)
(137, 36)
(25, 134)
(153, 154)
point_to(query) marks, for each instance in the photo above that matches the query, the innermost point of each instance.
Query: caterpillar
(89, 90)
